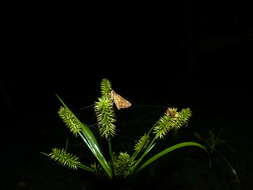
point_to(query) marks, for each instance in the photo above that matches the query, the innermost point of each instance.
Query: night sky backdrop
(184, 54)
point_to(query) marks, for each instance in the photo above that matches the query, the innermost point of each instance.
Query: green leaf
(167, 150)
(96, 152)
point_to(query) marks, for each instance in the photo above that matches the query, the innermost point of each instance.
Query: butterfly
(119, 101)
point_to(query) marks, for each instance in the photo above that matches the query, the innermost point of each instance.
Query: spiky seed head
(66, 159)
(121, 164)
(182, 119)
(70, 120)
(172, 120)
(162, 127)
(142, 143)
(106, 87)
(105, 117)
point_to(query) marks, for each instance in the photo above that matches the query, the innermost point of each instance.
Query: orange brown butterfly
(119, 101)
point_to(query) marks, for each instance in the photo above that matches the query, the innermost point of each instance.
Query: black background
(185, 54)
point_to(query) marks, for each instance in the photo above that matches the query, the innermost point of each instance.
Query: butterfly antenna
(151, 106)
(93, 125)
(86, 107)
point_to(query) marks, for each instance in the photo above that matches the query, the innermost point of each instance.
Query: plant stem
(111, 155)
(82, 166)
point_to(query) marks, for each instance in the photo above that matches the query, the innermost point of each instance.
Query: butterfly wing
(119, 101)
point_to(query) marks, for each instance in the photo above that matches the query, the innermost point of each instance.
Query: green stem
(82, 166)
(134, 155)
(150, 130)
(111, 155)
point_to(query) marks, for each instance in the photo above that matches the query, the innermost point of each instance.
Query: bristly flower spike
(121, 164)
(105, 117)
(70, 120)
(183, 118)
(66, 159)
(142, 143)
(172, 120)
(106, 87)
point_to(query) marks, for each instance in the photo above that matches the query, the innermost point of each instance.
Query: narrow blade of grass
(167, 150)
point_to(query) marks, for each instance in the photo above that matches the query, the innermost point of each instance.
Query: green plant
(122, 164)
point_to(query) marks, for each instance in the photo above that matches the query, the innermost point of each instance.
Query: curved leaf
(167, 150)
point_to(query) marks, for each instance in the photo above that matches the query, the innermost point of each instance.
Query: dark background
(185, 54)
